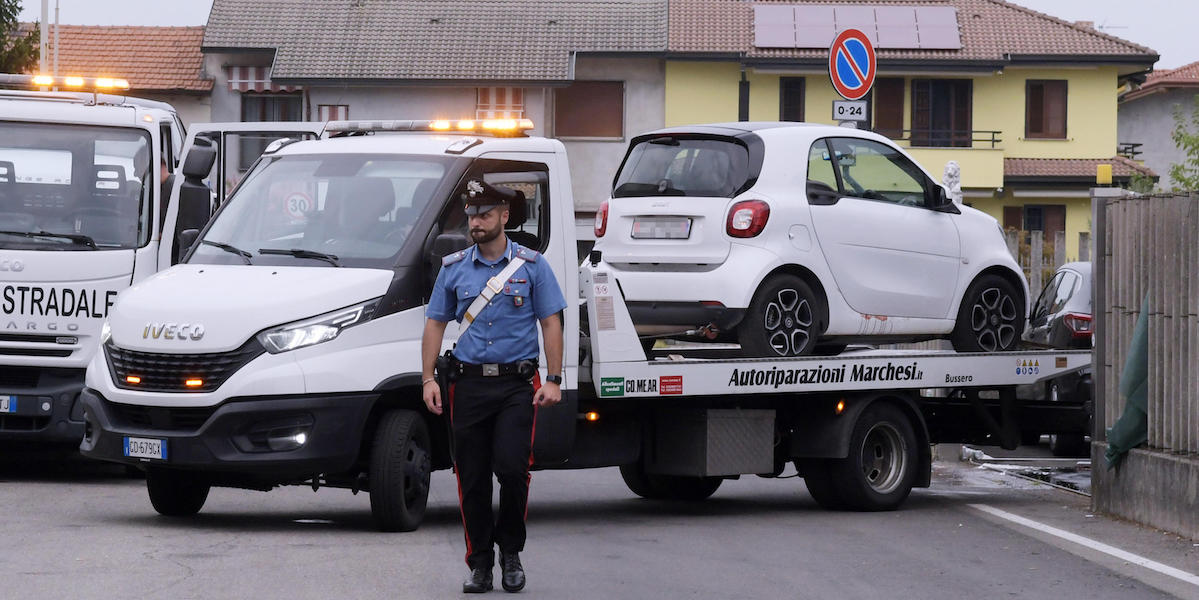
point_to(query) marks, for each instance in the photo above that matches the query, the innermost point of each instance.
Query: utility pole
(42, 51)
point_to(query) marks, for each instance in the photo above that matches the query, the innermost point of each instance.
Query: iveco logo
(173, 331)
(13, 265)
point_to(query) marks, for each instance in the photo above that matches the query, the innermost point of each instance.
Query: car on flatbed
(794, 238)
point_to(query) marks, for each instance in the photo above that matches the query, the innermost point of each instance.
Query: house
(1147, 117)
(1026, 103)
(588, 72)
(160, 63)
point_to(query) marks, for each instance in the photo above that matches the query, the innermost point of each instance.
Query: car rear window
(671, 166)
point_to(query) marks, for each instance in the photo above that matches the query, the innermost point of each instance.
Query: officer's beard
(482, 236)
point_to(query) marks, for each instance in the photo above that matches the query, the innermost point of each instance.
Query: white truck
(285, 350)
(81, 218)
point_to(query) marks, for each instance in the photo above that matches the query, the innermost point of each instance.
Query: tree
(1186, 138)
(18, 53)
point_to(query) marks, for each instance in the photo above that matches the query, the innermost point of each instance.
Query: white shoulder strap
(494, 286)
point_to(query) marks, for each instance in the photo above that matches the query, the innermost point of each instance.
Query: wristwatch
(554, 379)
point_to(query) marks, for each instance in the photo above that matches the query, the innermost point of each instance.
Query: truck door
(236, 146)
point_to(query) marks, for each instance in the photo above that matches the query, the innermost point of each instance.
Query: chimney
(1085, 24)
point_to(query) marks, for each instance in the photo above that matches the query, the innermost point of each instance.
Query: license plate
(136, 447)
(661, 228)
(8, 404)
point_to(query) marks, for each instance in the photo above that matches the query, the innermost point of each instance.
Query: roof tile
(151, 58)
(1072, 167)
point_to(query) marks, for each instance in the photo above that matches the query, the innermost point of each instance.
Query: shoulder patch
(528, 255)
(450, 259)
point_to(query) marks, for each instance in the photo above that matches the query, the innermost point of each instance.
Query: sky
(1145, 22)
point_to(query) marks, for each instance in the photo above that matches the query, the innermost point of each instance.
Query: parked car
(789, 236)
(1062, 318)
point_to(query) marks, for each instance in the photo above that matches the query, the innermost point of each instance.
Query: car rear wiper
(76, 238)
(231, 249)
(302, 253)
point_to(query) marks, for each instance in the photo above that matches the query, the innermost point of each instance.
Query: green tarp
(1132, 429)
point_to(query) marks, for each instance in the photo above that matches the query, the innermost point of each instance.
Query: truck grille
(158, 372)
(18, 377)
(156, 417)
(23, 423)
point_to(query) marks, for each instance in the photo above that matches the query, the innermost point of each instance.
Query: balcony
(977, 152)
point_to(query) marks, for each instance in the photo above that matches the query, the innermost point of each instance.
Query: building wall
(1090, 112)
(1078, 212)
(191, 108)
(1150, 121)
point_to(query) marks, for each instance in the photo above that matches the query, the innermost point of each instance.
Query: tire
(881, 467)
(784, 319)
(400, 469)
(1065, 445)
(990, 318)
(176, 493)
(668, 487)
(815, 472)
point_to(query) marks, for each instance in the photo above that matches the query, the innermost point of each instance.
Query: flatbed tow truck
(296, 384)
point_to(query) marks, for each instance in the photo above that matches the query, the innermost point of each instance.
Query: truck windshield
(669, 166)
(350, 210)
(74, 187)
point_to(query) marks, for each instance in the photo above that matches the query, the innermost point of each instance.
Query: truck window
(359, 208)
(84, 184)
(528, 225)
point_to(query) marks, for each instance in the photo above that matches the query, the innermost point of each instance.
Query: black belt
(523, 368)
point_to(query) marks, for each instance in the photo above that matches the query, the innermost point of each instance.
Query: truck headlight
(318, 329)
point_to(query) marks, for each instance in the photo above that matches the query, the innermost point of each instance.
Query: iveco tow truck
(285, 350)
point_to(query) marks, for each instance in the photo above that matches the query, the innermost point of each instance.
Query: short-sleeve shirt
(506, 330)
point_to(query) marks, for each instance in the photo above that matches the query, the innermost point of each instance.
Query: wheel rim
(417, 471)
(993, 320)
(787, 322)
(884, 458)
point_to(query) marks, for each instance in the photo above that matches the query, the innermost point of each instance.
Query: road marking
(1090, 543)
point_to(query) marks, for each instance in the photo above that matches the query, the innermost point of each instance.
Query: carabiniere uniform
(491, 400)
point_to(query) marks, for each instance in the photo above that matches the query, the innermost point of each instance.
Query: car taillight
(601, 220)
(1079, 324)
(747, 218)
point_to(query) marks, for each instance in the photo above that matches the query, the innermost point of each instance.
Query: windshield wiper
(76, 238)
(232, 249)
(302, 253)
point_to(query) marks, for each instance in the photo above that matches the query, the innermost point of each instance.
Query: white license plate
(145, 448)
(8, 404)
(661, 228)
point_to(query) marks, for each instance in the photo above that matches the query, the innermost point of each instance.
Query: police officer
(495, 395)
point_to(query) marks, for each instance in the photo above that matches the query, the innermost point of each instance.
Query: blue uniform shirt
(506, 330)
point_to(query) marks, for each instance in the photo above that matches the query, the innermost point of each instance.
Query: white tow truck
(285, 350)
(82, 217)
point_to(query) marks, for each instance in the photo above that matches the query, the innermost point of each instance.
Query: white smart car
(794, 238)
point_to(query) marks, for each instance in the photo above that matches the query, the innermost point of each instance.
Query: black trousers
(492, 419)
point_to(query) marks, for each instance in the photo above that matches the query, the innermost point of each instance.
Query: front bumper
(234, 437)
(46, 406)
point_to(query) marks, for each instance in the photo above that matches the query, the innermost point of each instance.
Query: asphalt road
(80, 530)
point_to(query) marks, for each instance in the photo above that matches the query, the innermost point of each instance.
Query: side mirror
(185, 241)
(199, 160)
(941, 201)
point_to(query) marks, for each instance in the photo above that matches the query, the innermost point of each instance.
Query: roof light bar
(72, 81)
(495, 127)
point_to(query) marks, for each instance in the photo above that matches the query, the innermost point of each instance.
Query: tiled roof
(513, 40)
(992, 31)
(151, 58)
(1186, 76)
(1071, 168)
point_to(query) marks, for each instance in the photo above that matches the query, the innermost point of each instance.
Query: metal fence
(1150, 246)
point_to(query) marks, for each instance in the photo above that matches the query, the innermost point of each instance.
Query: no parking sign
(852, 64)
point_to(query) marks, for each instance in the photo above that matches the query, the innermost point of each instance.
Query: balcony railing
(943, 138)
(1129, 150)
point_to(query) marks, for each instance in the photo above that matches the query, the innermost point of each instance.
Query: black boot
(514, 574)
(478, 582)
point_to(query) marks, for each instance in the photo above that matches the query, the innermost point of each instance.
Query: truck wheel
(638, 481)
(815, 472)
(990, 318)
(176, 493)
(880, 470)
(782, 320)
(400, 468)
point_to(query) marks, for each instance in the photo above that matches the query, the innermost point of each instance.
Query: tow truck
(285, 350)
(82, 218)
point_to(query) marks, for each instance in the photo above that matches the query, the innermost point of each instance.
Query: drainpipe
(743, 98)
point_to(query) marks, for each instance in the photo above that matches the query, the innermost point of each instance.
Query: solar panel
(893, 27)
